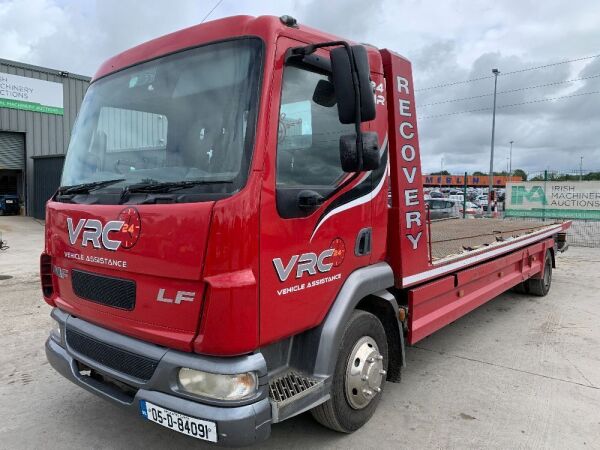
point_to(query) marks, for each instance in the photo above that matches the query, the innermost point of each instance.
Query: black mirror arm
(309, 49)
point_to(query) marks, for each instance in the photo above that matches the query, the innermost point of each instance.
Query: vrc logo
(112, 235)
(311, 263)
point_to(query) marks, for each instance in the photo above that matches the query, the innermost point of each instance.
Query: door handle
(363, 242)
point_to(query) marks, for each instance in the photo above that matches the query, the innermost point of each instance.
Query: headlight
(56, 331)
(214, 385)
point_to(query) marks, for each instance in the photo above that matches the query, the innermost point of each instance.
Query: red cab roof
(266, 27)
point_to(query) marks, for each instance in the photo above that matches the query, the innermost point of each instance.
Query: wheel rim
(364, 373)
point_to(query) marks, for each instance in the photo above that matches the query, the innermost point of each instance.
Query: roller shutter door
(12, 151)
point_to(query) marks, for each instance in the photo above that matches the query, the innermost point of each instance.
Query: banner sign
(472, 180)
(31, 94)
(553, 199)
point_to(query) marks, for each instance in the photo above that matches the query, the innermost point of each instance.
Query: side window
(308, 156)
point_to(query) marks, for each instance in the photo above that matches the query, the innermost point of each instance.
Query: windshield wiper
(84, 188)
(165, 186)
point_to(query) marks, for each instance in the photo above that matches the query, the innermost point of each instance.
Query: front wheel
(359, 376)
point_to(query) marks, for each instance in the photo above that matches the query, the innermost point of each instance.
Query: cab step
(293, 393)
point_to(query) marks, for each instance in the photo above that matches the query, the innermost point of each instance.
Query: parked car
(436, 194)
(442, 208)
(482, 201)
(9, 204)
(473, 210)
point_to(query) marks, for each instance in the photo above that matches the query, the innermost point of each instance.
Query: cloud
(351, 19)
(447, 41)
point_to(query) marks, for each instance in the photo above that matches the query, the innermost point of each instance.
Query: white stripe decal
(407, 281)
(360, 200)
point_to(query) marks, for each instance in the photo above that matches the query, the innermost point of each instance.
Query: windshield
(187, 117)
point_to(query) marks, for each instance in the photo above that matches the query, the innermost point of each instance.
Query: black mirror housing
(341, 69)
(324, 94)
(351, 159)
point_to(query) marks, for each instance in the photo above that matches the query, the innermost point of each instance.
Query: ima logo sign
(123, 232)
(534, 195)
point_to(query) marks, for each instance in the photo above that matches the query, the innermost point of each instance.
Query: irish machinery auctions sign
(553, 200)
(31, 94)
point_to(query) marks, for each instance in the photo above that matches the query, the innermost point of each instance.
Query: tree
(520, 173)
(443, 172)
(592, 176)
(479, 174)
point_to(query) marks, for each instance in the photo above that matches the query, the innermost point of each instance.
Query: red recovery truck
(241, 234)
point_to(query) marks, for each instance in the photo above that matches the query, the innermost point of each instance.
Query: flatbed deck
(458, 237)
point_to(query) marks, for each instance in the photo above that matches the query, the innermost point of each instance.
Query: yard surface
(519, 372)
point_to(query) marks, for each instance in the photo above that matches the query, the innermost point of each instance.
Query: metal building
(38, 107)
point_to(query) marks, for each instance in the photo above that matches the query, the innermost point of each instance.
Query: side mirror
(349, 154)
(341, 75)
(324, 94)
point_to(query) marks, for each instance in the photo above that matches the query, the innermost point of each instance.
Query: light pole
(510, 159)
(441, 170)
(580, 168)
(491, 184)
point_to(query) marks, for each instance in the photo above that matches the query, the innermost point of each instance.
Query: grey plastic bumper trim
(238, 423)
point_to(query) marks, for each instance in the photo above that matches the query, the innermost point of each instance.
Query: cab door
(315, 218)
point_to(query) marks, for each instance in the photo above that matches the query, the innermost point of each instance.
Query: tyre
(359, 376)
(541, 286)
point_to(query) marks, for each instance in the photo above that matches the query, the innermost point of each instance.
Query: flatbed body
(457, 238)
(473, 261)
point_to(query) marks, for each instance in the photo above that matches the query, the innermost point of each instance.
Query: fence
(583, 233)
(558, 196)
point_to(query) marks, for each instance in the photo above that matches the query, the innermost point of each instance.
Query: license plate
(198, 428)
(9, 202)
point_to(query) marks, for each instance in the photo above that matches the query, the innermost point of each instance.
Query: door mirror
(343, 84)
(351, 159)
(324, 94)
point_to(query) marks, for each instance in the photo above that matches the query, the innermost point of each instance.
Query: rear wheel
(522, 288)
(359, 376)
(541, 286)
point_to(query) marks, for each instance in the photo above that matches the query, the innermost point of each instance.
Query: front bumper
(238, 423)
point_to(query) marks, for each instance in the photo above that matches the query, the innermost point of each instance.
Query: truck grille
(109, 291)
(118, 359)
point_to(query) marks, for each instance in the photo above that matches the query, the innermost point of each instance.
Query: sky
(447, 41)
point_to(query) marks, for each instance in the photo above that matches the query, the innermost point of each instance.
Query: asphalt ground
(519, 372)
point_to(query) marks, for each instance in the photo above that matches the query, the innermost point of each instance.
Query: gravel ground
(519, 372)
